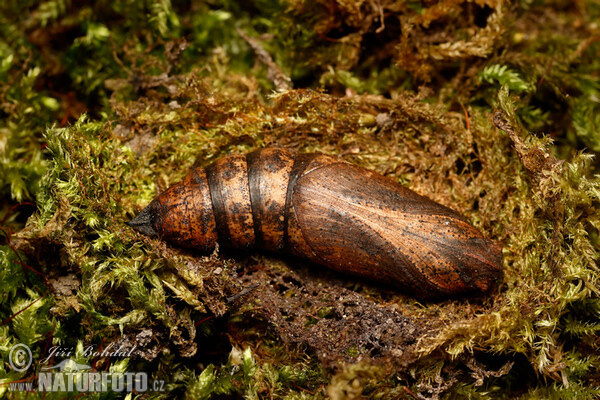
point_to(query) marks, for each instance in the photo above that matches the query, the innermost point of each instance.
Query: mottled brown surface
(268, 177)
(183, 214)
(304, 163)
(359, 222)
(335, 214)
(228, 180)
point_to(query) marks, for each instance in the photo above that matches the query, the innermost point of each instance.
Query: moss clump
(482, 106)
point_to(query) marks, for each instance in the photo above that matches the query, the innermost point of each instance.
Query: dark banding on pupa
(330, 212)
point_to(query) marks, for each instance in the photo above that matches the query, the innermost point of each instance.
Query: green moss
(484, 107)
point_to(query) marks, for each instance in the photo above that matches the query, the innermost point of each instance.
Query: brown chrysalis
(328, 211)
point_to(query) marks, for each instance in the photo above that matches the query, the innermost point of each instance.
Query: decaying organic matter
(137, 91)
(331, 212)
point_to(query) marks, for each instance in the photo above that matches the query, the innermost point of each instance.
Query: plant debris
(488, 107)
